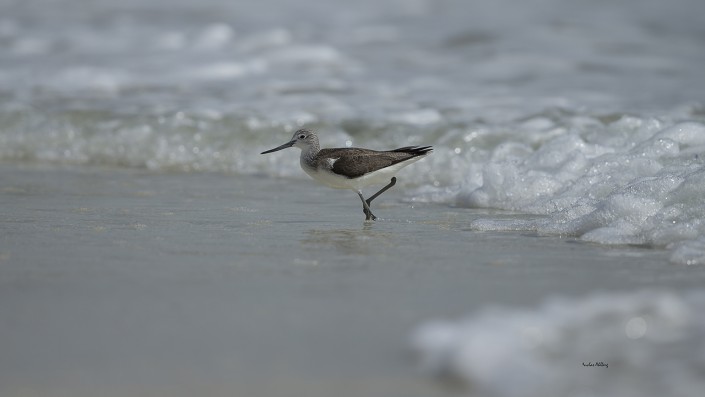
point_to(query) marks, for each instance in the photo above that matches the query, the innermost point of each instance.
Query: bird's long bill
(284, 146)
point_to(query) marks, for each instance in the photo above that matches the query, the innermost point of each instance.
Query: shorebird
(352, 168)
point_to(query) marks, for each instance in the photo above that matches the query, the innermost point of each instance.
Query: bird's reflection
(362, 241)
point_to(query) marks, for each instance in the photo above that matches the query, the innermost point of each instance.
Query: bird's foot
(369, 216)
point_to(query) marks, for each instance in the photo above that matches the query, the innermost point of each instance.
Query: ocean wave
(646, 343)
(610, 179)
(631, 181)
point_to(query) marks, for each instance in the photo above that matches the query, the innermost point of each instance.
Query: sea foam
(644, 343)
(632, 181)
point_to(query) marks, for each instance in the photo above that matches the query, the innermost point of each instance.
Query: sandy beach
(122, 282)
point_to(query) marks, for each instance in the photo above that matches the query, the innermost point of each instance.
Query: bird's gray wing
(354, 163)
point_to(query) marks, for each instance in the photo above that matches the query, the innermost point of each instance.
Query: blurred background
(185, 85)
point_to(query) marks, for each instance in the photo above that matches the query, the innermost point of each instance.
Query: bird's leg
(382, 190)
(366, 208)
(366, 203)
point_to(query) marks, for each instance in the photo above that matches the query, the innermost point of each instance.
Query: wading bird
(352, 168)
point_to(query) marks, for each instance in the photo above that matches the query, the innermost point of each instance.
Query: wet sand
(126, 282)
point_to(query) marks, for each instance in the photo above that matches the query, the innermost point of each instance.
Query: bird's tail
(414, 150)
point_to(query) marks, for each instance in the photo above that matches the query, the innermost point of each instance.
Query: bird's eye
(302, 136)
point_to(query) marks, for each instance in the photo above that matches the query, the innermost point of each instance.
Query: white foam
(418, 117)
(635, 181)
(306, 54)
(214, 36)
(90, 78)
(639, 344)
(689, 252)
(225, 70)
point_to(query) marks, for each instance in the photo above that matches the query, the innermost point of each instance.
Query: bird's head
(302, 139)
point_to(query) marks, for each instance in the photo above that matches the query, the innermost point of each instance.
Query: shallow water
(132, 282)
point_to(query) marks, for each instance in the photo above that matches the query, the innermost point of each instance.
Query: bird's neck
(308, 154)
